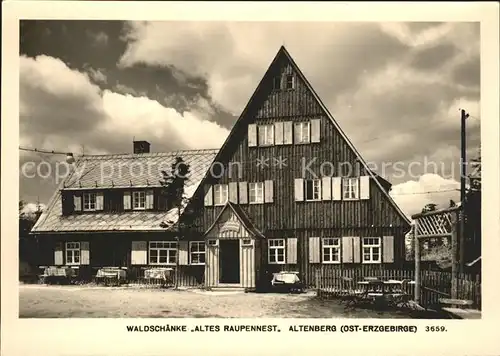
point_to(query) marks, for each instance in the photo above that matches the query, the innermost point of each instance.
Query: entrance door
(229, 261)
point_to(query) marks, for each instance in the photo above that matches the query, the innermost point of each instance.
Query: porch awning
(232, 218)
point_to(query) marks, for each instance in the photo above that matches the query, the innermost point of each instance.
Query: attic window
(290, 82)
(277, 83)
(89, 201)
(139, 200)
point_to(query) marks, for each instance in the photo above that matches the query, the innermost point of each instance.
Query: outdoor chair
(403, 300)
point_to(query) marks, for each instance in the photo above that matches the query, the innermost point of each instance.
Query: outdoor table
(388, 291)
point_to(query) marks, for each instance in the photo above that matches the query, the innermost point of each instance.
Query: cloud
(124, 89)
(149, 119)
(61, 109)
(31, 208)
(468, 72)
(69, 108)
(99, 38)
(218, 52)
(97, 75)
(435, 56)
(54, 98)
(387, 82)
(413, 195)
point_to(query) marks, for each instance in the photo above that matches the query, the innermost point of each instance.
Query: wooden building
(287, 191)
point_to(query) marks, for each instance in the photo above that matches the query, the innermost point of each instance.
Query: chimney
(141, 146)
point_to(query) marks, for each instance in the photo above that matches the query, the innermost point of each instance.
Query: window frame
(86, 199)
(73, 255)
(371, 247)
(247, 242)
(326, 244)
(165, 246)
(318, 185)
(255, 185)
(139, 193)
(226, 189)
(198, 252)
(345, 186)
(212, 242)
(301, 125)
(287, 77)
(266, 128)
(276, 248)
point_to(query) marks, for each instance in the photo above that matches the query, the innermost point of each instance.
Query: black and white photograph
(306, 169)
(225, 169)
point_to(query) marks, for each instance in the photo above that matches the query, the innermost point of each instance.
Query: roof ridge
(150, 154)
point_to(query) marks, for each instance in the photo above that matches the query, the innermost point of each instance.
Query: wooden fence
(435, 284)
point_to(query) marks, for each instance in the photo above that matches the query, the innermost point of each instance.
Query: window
(290, 82)
(266, 135)
(331, 250)
(302, 132)
(139, 200)
(256, 193)
(277, 251)
(371, 249)
(313, 189)
(162, 252)
(72, 253)
(277, 83)
(197, 252)
(89, 201)
(220, 194)
(212, 242)
(246, 242)
(350, 188)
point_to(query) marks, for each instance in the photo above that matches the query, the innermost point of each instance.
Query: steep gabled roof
(381, 182)
(121, 171)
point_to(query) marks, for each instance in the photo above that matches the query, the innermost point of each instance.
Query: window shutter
(127, 201)
(58, 254)
(356, 243)
(99, 201)
(183, 253)
(84, 253)
(364, 191)
(139, 255)
(278, 133)
(252, 135)
(337, 188)
(326, 185)
(268, 191)
(299, 189)
(347, 249)
(287, 133)
(388, 248)
(77, 202)
(208, 195)
(314, 250)
(291, 250)
(315, 130)
(243, 191)
(150, 199)
(233, 192)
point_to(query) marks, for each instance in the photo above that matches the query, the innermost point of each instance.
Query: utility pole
(463, 172)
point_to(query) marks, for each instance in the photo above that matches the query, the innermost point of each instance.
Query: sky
(91, 87)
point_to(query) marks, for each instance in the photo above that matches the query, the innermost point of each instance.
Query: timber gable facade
(287, 191)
